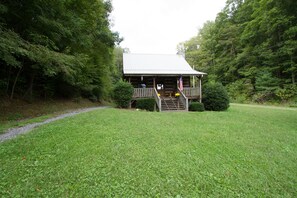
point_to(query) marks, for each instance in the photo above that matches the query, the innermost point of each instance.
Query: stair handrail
(183, 99)
(173, 103)
(157, 99)
(166, 104)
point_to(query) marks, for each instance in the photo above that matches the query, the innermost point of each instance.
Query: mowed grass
(245, 151)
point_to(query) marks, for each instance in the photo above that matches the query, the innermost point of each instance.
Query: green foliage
(70, 43)
(118, 153)
(215, 97)
(240, 90)
(146, 104)
(196, 106)
(262, 97)
(266, 82)
(286, 93)
(15, 116)
(252, 41)
(122, 94)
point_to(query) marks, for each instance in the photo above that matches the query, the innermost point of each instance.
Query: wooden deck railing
(183, 99)
(147, 93)
(191, 92)
(143, 93)
(187, 93)
(158, 100)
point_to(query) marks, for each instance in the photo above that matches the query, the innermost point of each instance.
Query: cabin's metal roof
(157, 64)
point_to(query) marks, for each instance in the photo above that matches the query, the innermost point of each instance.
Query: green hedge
(122, 94)
(196, 106)
(215, 97)
(146, 104)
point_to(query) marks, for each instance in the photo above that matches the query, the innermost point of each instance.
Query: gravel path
(13, 132)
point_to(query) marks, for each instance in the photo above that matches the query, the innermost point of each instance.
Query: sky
(158, 26)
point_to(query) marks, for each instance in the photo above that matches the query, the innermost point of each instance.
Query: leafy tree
(250, 41)
(66, 42)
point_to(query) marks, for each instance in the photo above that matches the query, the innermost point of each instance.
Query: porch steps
(172, 104)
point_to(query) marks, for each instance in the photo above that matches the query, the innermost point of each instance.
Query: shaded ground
(18, 113)
(16, 109)
(13, 132)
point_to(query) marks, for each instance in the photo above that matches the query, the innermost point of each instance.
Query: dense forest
(56, 49)
(251, 48)
(66, 49)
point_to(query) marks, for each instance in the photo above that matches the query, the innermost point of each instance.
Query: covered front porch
(169, 92)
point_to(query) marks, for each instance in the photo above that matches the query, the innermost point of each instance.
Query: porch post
(193, 78)
(154, 82)
(200, 89)
(130, 103)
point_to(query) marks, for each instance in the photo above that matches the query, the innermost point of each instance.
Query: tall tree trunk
(15, 81)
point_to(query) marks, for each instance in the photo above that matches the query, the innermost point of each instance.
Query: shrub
(196, 106)
(215, 97)
(263, 96)
(286, 93)
(122, 94)
(147, 104)
(240, 91)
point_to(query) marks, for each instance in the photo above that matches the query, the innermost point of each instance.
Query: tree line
(251, 48)
(56, 49)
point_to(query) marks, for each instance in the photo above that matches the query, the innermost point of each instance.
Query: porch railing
(191, 92)
(143, 93)
(158, 100)
(147, 93)
(183, 99)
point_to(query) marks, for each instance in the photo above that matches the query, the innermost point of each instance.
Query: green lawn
(246, 151)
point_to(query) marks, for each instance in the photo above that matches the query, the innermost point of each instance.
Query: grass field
(246, 151)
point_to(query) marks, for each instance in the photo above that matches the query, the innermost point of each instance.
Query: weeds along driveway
(13, 132)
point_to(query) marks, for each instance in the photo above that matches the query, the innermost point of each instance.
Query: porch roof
(157, 64)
